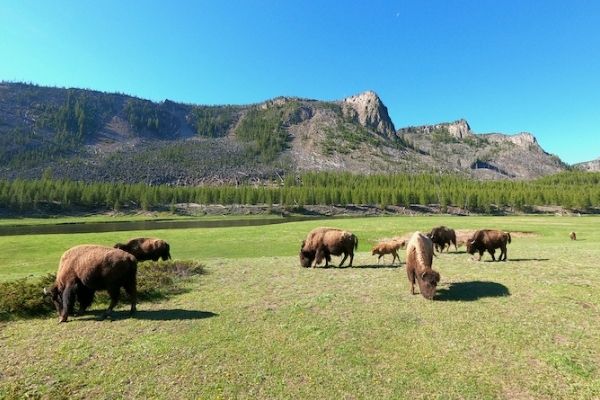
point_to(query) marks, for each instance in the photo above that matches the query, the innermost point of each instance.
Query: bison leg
(411, 279)
(131, 290)
(344, 259)
(395, 256)
(503, 252)
(68, 298)
(114, 299)
(85, 296)
(492, 252)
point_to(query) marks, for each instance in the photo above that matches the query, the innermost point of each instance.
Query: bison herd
(321, 243)
(85, 269)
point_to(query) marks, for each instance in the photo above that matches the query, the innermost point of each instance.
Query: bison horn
(45, 291)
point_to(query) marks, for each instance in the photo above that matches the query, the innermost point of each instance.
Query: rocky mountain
(94, 136)
(590, 166)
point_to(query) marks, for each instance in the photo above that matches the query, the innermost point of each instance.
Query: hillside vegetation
(111, 137)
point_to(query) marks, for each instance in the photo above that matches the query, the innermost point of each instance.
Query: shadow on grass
(471, 291)
(379, 266)
(176, 314)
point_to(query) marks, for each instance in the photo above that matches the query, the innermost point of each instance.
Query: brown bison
(442, 236)
(490, 240)
(388, 247)
(87, 268)
(573, 236)
(322, 243)
(146, 249)
(419, 256)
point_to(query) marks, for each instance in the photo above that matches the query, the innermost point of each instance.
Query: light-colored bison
(442, 236)
(85, 269)
(573, 236)
(146, 249)
(419, 257)
(490, 240)
(388, 247)
(321, 243)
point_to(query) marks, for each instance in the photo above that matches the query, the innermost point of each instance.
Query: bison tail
(508, 233)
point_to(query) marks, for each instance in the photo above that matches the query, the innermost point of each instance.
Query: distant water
(93, 227)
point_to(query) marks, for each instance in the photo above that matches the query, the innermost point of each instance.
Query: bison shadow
(527, 259)
(176, 314)
(380, 266)
(471, 291)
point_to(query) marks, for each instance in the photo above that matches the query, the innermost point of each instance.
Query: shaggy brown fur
(442, 236)
(490, 240)
(419, 256)
(388, 247)
(573, 236)
(146, 249)
(87, 268)
(322, 243)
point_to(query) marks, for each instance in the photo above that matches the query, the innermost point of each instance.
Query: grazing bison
(419, 256)
(87, 268)
(322, 243)
(442, 236)
(146, 249)
(388, 247)
(490, 240)
(573, 236)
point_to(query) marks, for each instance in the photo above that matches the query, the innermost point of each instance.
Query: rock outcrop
(368, 110)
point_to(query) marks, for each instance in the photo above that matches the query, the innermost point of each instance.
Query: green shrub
(24, 298)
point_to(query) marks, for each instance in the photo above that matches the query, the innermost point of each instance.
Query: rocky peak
(459, 129)
(522, 139)
(368, 109)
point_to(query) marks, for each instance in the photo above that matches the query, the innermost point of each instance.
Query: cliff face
(369, 111)
(95, 136)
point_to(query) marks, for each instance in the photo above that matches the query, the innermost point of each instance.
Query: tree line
(571, 190)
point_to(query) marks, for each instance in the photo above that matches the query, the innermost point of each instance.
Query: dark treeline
(572, 190)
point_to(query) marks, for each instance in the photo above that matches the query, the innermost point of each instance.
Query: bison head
(56, 296)
(428, 281)
(471, 247)
(306, 258)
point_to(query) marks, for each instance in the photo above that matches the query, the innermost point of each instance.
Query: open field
(259, 326)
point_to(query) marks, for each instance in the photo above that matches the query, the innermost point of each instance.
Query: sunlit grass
(259, 326)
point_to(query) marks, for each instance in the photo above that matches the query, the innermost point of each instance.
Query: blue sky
(505, 66)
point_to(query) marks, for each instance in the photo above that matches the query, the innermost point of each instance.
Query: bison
(85, 269)
(322, 243)
(442, 236)
(573, 236)
(146, 249)
(419, 256)
(490, 240)
(388, 247)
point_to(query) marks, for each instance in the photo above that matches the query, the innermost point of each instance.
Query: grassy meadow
(259, 326)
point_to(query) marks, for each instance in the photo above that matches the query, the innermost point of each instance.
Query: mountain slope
(94, 136)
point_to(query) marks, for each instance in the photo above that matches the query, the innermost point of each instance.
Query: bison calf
(146, 249)
(322, 243)
(387, 247)
(490, 240)
(87, 268)
(573, 236)
(419, 256)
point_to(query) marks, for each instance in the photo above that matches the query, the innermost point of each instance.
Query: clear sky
(505, 66)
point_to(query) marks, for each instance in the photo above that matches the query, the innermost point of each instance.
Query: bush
(24, 298)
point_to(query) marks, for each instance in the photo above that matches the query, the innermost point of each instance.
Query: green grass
(259, 326)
